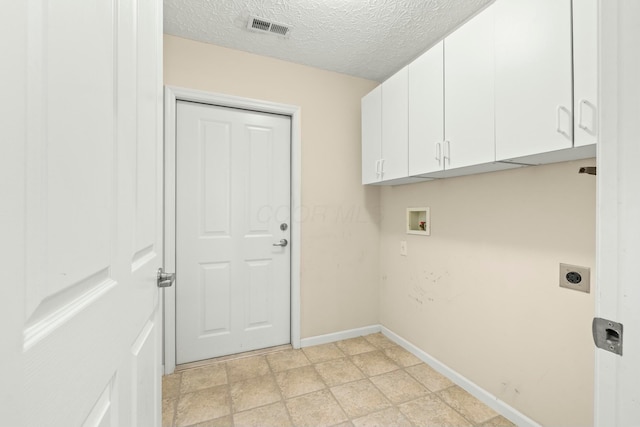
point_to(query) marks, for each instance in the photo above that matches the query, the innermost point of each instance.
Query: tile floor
(366, 381)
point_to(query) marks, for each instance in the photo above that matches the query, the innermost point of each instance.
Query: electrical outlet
(575, 277)
(403, 248)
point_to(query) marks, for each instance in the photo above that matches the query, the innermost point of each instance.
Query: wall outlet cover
(575, 277)
(403, 248)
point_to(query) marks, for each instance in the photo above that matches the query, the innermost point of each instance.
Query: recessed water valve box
(419, 221)
(575, 277)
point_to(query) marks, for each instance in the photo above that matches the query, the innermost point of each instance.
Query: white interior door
(617, 389)
(232, 209)
(91, 190)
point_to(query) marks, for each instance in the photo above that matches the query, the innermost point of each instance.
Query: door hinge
(607, 335)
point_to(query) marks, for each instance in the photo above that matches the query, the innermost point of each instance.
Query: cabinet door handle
(559, 129)
(447, 155)
(438, 152)
(381, 168)
(590, 130)
(378, 168)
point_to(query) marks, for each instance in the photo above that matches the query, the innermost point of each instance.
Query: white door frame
(173, 94)
(617, 394)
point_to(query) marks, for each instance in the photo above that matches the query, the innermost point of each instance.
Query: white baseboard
(338, 336)
(479, 393)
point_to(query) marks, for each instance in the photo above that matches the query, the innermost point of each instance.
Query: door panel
(259, 293)
(145, 359)
(69, 218)
(92, 329)
(215, 215)
(233, 193)
(215, 291)
(103, 413)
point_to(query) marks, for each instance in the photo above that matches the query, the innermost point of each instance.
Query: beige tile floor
(366, 381)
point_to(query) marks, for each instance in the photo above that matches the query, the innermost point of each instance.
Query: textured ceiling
(365, 38)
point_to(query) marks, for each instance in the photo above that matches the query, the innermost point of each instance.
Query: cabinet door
(533, 77)
(585, 72)
(426, 111)
(371, 135)
(469, 93)
(395, 126)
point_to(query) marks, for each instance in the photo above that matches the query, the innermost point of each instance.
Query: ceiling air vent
(261, 25)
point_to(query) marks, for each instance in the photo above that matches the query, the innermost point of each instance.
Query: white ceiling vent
(261, 25)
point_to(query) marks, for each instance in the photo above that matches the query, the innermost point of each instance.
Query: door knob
(283, 243)
(165, 279)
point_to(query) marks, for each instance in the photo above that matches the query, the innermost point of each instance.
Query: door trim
(173, 94)
(616, 394)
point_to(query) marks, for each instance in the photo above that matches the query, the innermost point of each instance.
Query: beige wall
(339, 285)
(481, 293)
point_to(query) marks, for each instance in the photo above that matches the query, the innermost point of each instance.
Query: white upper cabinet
(385, 130)
(395, 126)
(451, 103)
(533, 77)
(585, 72)
(371, 136)
(426, 111)
(469, 93)
(515, 85)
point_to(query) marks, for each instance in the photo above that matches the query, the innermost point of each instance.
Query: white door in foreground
(91, 349)
(232, 231)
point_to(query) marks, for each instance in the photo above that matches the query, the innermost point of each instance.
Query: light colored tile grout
(367, 377)
(496, 417)
(282, 399)
(393, 405)
(437, 394)
(175, 407)
(327, 387)
(175, 410)
(228, 388)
